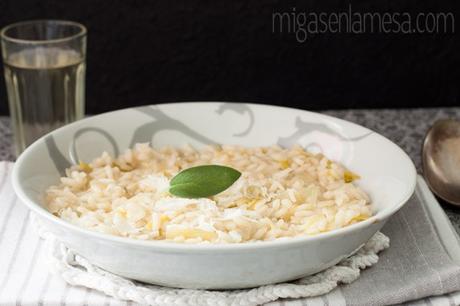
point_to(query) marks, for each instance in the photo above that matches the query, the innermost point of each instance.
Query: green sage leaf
(203, 181)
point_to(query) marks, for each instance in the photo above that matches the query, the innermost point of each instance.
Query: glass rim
(5, 37)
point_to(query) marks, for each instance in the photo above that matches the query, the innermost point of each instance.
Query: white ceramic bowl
(387, 173)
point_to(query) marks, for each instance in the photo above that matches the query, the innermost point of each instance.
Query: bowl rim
(162, 245)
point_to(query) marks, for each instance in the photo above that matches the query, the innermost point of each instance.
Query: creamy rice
(281, 193)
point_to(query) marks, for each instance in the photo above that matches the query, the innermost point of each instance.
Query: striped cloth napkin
(422, 265)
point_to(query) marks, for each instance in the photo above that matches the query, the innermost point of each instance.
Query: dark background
(146, 52)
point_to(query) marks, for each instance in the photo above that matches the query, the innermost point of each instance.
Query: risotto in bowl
(213, 195)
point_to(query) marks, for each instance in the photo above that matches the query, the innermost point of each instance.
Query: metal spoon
(441, 160)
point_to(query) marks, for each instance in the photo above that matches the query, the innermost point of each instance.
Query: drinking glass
(44, 66)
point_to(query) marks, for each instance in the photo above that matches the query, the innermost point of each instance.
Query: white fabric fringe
(78, 271)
